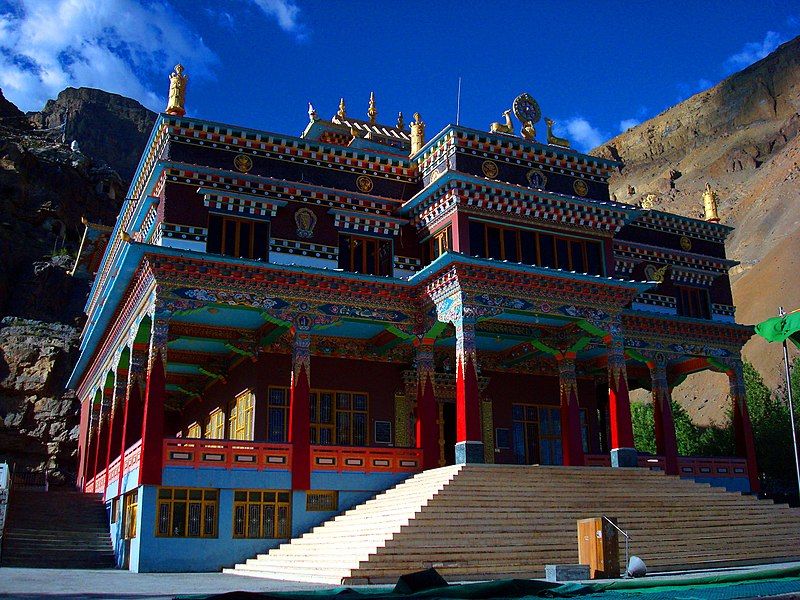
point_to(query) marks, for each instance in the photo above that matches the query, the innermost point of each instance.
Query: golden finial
(372, 112)
(341, 113)
(710, 204)
(552, 139)
(400, 122)
(312, 112)
(125, 236)
(649, 201)
(177, 92)
(417, 134)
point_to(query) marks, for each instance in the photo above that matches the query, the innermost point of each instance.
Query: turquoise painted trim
(533, 145)
(133, 252)
(363, 215)
(628, 210)
(690, 320)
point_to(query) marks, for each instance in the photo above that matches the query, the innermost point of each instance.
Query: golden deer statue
(507, 127)
(552, 139)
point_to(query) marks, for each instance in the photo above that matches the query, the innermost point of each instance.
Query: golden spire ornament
(372, 113)
(417, 134)
(341, 113)
(312, 112)
(400, 122)
(177, 92)
(710, 204)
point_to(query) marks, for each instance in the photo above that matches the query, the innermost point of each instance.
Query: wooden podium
(598, 547)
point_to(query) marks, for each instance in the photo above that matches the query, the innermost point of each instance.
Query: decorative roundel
(526, 109)
(243, 163)
(364, 183)
(686, 243)
(536, 179)
(580, 187)
(489, 168)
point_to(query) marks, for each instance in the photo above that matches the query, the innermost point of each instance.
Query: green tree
(644, 433)
(692, 439)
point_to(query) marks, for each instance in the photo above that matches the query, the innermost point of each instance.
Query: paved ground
(113, 584)
(52, 584)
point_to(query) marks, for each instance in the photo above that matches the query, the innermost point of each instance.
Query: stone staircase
(67, 530)
(502, 521)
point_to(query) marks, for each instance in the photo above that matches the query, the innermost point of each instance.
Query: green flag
(779, 329)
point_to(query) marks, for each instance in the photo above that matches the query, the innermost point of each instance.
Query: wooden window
(131, 502)
(336, 417)
(115, 509)
(439, 243)
(262, 514)
(371, 256)
(277, 414)
(240, 238)
(187, 512)
(693, 302)
(321, 417)
(489, 240)
(215, 426)
(351, 419)
(240, 421)
(194, 431)
(322, 500)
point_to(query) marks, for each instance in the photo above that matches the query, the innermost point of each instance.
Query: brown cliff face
(45, 190)
(107, 126)
(742, 137)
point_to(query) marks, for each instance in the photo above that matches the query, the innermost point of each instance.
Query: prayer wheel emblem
(489, 169)
(243, 163)
(580, 187)
(364, 183)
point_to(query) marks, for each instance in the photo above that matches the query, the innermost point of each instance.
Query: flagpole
(781, 313)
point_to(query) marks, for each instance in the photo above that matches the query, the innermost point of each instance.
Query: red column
(115, 420)
(299, 414)
(83, 442)
(666, 441)
(623, 452)
(99, 449)
(571, 441)
(742, 428)
(427, 434)
(469, 439)
(150, 467)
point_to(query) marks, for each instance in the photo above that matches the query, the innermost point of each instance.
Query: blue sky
(594, 67)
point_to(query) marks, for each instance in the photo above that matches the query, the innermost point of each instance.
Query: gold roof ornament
(417, 134)
(710, 204)
(312, 113)
(372, 112)
(507, 127)
(125, 236)
(177, 92)
(342, 112)
(400, 122)
(552, 139)
(649, 201)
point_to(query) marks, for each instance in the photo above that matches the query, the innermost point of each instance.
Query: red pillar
(427, 434)
(666, 441)
(742, 428)
(153, 423)
(83, 442)
(131, 423)
(469, 442)
(623, 451)
(299, 413)
(571, 441)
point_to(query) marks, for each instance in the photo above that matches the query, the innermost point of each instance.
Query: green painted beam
(591, 329)
(239, 351)
(208, 373)
(544, 347)
(580, 344)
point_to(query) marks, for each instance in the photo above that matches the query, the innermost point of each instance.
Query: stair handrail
(6, 480)
(627, 540)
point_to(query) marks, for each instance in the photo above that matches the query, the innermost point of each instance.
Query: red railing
(688, 466)
(132, 455)
(227, 454)
(349, 459)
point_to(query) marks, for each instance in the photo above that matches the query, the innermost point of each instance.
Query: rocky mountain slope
(742, 137)
(45, 190)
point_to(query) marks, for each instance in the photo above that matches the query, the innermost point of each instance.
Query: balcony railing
(688, 466)
(227, 454)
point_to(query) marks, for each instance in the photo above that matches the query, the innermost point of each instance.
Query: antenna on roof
(458, 103)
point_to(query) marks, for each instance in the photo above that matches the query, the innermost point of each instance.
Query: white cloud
(583, 135)
(115, 45)
(626, 124)
(286, 13)
(754, 51)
